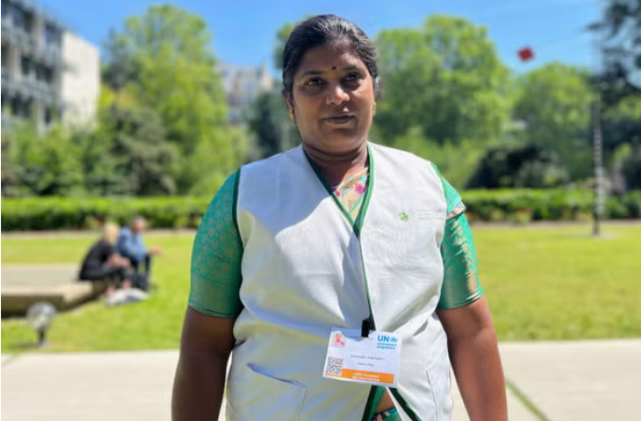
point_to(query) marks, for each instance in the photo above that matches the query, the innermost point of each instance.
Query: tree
(530, 166)
(620, 34)
(282, 35)
(37, 164)
(169, 67)
(281, 39)
(268, 121)
(632, 170)
(445, 79)
(553, 104)
(139, 151)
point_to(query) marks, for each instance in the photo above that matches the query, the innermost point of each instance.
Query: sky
(244, 31)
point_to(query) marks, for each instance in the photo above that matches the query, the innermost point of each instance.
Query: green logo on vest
(403, 216)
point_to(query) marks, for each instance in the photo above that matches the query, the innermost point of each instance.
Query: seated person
(103, 262)
(130, 245)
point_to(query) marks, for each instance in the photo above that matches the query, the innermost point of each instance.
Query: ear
(288, 100)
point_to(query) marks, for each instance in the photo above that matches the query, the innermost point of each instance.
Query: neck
(335, 167)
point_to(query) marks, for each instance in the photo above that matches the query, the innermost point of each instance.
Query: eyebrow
(319, 72)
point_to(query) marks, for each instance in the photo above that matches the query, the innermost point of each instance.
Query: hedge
(518, 206)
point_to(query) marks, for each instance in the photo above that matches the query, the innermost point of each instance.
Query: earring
(374, 105)
(291, 114)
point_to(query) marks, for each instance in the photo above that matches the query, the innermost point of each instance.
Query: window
(26, 108)
(20, 18)
(5, 57)
(48, 115)
(44, 74)
(20, 108)
(26, 66)
(5, 9)
(52, 35)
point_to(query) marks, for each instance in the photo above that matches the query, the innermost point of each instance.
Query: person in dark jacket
(103, 262)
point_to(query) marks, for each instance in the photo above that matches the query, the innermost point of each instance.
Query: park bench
(24, 285)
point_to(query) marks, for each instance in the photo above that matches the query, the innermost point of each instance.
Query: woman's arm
(214, 303)
(475, 358)
(205, 347)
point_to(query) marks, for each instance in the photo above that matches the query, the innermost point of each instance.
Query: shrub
(520, 206)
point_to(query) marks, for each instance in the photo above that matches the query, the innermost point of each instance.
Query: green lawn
(542, 283)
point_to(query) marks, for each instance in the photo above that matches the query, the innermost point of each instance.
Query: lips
(340, 119)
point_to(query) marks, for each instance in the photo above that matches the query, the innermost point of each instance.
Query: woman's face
(333, 99)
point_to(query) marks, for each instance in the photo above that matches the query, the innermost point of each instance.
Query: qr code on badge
(334, 366)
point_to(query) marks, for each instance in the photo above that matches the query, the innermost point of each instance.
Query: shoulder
(403, 159)
(267, 166)
(124, 234)
(103, 245)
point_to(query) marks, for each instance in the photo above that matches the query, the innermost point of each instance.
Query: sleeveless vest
(307, 268)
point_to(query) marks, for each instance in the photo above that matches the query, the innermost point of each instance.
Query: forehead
(324, 57)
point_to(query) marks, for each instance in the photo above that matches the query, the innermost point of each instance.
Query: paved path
(587, 380)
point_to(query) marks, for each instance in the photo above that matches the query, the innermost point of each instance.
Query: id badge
(372, 360)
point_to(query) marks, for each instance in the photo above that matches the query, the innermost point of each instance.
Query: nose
(336, 95)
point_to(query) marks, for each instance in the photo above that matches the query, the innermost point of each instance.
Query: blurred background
(531, 109)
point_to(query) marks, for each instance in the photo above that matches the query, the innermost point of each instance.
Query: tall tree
(282, 35)
(619, 31)
(445, 78)
(270, 125)
(553, 104)
(281, 39)
(170, 68)
(141, 154)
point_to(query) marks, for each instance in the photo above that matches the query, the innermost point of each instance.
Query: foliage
(455, 162)
(269, 122)
(19, 214)
(632, 170)
(164, 59)
(137, 144)
(282, 35)
(621, 124)
(553, 103)
(445, 78)
(36, 164)
(529, 166)
(620, 34)
(78, 213)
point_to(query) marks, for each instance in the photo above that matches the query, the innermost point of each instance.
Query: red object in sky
(526, 54)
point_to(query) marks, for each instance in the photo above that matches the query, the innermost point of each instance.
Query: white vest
(305, 270)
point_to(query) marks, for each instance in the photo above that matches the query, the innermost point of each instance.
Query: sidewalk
(585, 380)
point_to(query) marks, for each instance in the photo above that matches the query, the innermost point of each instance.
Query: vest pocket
(264, 397)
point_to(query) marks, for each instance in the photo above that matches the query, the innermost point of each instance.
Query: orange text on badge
(368, 376)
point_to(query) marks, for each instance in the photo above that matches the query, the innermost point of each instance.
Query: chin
(343, 140)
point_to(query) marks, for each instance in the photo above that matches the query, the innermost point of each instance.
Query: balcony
(45, 52)
(14, 35)
(29, 87)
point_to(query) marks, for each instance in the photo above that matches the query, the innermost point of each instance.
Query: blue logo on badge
(387, 342)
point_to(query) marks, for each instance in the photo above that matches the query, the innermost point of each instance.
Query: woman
(103, 262)
(337, 233)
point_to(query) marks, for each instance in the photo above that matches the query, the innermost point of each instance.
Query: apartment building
(48, 73)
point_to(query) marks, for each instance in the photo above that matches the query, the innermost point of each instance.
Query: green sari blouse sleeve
(216, 256)
(461, 285)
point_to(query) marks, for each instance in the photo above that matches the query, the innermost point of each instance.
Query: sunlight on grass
(542, 283)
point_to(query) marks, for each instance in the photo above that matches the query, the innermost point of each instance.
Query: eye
(353, 77)
(315, 81)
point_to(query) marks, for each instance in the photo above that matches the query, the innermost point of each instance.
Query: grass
(542, 283)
